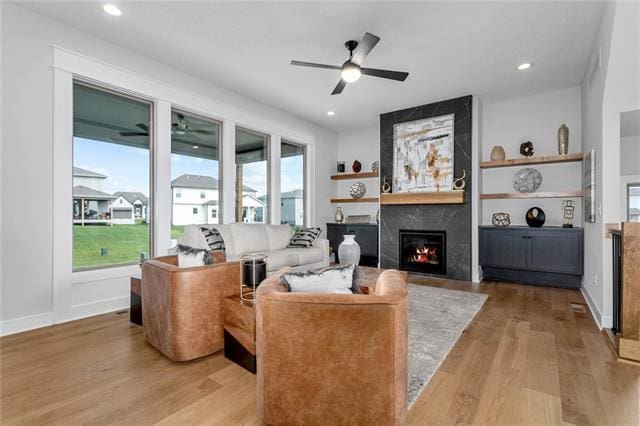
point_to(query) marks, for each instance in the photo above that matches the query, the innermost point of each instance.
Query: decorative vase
(497, 153)
(340, 167)
(535, 217)
(357, 166)
(563, 140)
(349, 251)
(339, 215)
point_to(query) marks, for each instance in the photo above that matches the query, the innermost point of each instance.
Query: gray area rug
(437, 318)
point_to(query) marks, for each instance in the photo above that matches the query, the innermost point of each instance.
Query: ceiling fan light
(350, 72)
(112, 10)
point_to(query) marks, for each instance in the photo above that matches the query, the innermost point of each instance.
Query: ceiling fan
(181, 127)
(352, 69)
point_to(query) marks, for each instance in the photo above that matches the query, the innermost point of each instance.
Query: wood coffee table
(239, 322)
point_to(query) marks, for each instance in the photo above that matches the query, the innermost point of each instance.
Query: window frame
(183, 110)
(305, 151)
(628, 193)
(267, 136)
(117, 91)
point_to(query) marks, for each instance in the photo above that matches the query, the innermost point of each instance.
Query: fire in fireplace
(423, 251)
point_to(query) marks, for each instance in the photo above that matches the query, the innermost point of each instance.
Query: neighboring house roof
(131, 197)
(90, 193)
(200, 182)
(296, 193)
(259, 202)
(634, 212)
(211, 203)
(77, 171)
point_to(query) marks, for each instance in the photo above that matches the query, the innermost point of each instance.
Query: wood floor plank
(527, 358)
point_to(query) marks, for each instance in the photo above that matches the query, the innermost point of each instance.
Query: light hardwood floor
(527, 358)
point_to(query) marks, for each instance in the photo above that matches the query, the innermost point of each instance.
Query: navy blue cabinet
(366, 235)
(548, 256)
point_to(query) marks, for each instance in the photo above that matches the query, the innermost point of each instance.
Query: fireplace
(423, 251)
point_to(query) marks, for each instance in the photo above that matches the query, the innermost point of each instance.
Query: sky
(127, 167)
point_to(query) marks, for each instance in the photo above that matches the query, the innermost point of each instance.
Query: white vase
(349, 251)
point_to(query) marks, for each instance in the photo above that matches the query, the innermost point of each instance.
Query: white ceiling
(449, 49)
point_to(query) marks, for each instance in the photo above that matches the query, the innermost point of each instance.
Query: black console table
(551, 256)
(366, 236)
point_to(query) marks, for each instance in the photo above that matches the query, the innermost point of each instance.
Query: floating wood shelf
(354, 200)
(444, 197)
(347, 176)
(547, 159)
(526, 195)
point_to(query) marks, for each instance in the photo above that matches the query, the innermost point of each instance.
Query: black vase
(253, 272)
(535, 217)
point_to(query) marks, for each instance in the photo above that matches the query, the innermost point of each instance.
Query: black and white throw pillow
(341, 280)
(329, 280)
(304, 238)
(214, 239)
(189, 256)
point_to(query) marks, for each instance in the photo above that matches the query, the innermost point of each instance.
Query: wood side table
(239, 322)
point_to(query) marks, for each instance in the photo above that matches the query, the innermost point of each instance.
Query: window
(214, 214)
(633, 202)
(252, 176)
(292, 184)
(111, 142)
(195, 170)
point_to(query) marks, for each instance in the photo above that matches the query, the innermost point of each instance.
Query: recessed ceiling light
(195, 147)
(112, 10)
(331, 113)
(524, 66)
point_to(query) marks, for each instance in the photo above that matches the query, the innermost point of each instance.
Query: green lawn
(124, 243)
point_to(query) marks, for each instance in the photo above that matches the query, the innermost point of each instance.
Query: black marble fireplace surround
(454, 219)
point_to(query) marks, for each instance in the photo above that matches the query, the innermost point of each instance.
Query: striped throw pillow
(214, 239)
(304, 238)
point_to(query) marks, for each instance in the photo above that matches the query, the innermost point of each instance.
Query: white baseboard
(607, 321)
(593, 309)
(97, 308)
(30, 322)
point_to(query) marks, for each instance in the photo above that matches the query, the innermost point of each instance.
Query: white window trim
(69, 302)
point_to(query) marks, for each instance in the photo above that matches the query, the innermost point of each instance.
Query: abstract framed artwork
(589, 186)
(423, 155)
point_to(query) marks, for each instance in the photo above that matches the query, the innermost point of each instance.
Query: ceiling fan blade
(125, 134)
(314, 65)
(391, 75)
(368, 42)
(143, 127)
(339, 88)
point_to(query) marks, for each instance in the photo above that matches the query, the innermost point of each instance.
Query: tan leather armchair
(333, 358)
(182, 307)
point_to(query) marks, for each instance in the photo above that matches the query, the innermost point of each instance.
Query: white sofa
(270, 240)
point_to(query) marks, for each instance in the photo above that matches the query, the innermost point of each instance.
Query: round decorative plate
(527, 180)
(358, 190)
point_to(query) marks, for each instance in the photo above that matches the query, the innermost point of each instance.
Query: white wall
(27, 103)
(630, 155)
(362, 145)
(615, 89)
(535, 118)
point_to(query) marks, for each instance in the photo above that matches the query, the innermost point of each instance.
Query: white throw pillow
(333, 280)
(279, 236)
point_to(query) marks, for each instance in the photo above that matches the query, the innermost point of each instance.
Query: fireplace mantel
(444, 197)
